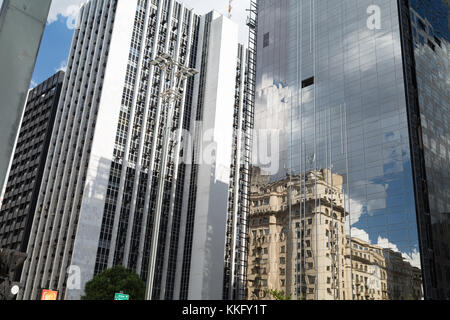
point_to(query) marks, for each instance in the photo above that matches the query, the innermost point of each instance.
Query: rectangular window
(307, 82)
(266, 40)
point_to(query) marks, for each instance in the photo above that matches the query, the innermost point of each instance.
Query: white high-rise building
(148, 163)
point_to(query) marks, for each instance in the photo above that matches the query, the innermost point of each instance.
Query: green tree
(116, 280)
(279, 295)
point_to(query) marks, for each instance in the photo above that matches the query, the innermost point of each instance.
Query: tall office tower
(213, 261)
(22, 25)
(355, 89)
(27, 168)
(426, 45)
(127, 156)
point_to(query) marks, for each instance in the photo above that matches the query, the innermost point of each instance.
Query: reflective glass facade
(334, 189)
(426, 55)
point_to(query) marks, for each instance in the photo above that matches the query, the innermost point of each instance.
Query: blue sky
(54, 50)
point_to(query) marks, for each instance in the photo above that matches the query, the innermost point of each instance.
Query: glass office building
(349, 190)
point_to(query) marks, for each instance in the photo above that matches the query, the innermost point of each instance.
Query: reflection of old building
(366, 263)
(308, 255)
(380, 274)
(404, 282)
(300, 253)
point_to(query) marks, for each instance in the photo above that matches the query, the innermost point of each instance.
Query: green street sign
(121, 296)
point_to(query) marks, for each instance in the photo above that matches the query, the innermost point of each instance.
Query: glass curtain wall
(332, 198)
(431, 47)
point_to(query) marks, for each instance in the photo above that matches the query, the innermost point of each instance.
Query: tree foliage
(116, 280)
(279, 295)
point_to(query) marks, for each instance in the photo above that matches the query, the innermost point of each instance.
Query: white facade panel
(207, 262)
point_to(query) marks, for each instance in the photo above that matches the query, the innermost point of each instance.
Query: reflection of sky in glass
(431, 35)
(436, 12)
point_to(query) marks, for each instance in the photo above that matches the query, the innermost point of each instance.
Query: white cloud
(64, 8)
(33, 84)
(62, 66)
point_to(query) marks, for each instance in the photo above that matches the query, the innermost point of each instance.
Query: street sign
(121, 296)
(49, 295)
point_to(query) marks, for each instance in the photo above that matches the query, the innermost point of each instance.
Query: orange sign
(49, 295)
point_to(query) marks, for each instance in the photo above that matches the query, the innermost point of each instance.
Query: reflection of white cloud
(356, 209)
(308, 96)
(385, 244)
(360, 234)
(376, 204)
(413, 257)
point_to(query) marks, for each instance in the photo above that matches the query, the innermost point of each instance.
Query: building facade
(354, 88)
(27, 167)
(127, 160)
(425, 40)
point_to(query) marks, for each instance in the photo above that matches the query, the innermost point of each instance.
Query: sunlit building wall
(105, 182)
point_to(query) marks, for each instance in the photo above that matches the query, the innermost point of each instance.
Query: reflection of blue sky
(433, 79)
(435, 11)
(389, 222)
